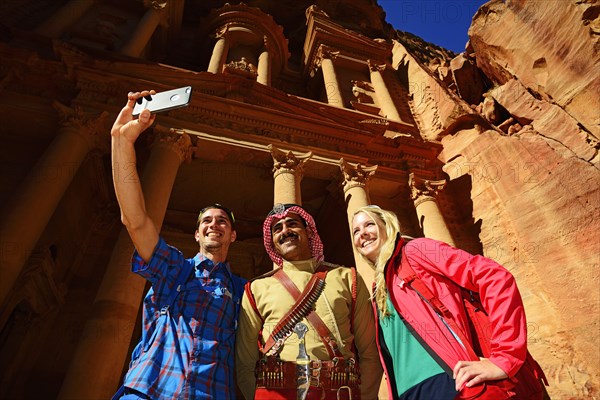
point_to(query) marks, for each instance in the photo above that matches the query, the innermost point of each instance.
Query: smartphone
(164, 101)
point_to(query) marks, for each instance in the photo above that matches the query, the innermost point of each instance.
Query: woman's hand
(469, 373)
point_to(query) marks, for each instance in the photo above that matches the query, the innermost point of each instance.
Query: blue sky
(442, 22)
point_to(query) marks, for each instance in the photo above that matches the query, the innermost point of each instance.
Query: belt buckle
(348, 388)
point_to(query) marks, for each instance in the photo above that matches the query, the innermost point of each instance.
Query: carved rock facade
(325, 105)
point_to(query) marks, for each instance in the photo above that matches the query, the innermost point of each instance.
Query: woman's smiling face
(368, 235)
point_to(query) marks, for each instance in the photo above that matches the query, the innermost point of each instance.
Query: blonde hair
(392, 228)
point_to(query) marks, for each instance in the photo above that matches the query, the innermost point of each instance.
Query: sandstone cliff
(518, 115)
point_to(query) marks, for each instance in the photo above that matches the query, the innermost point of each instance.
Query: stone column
(103, 348)
(70, 13)
(219, 54)
(35, 200)
(386, 103)
(356, 195)
(145, 29)
(431, 220)
(325, 58)
(287, 173)
(264, 65)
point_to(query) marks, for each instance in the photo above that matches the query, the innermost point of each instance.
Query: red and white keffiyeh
(282, 210)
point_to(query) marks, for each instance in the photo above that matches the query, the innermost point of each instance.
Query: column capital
(92, 127)
(176, 140)
(314, 9)
(424, 189)
(374, 67)
(286, 161)
(355, 175)
(36, 286)
(156, 4)
(223, 31)
(323, 52)
(326, 52)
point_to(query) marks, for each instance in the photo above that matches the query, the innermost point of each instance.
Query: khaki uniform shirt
(333, 306)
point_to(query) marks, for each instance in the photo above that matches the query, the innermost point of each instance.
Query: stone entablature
(353, 47)
(345, 58)
(281, 117)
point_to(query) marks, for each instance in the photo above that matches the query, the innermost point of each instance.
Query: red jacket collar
(395, 260)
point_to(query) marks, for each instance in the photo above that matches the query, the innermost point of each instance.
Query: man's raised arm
(128, 189)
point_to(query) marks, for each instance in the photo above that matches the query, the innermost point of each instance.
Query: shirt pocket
(207, 306)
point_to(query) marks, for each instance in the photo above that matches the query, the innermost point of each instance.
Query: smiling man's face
(214, 230)
(290, 238)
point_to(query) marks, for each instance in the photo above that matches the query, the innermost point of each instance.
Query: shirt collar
(201, 261)
(309, 265)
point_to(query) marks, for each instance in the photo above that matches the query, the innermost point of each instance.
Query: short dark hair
(218, 207)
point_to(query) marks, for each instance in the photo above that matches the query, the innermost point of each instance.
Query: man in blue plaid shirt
(189, 322)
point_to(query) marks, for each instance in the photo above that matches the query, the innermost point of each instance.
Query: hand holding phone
(164, 101)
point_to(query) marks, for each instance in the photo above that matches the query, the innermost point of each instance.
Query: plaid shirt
(188, 353)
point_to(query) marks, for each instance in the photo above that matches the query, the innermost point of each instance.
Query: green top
(411, 364)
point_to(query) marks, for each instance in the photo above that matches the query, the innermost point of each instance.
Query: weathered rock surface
(434, 107)
(540, 219)
(547, 119)
(468, 79)
(533, 163)
(551, 47)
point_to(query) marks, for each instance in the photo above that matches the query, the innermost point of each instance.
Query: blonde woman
(423, 358)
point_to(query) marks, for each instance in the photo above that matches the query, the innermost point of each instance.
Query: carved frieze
(242, 67)
(363, 91)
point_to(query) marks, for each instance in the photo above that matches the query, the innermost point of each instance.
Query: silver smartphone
(164, 101)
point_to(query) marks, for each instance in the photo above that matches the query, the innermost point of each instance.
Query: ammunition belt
(272, 372)
(304, 305)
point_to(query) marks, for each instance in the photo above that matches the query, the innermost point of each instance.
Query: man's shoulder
(268, 274)
(263, 284)
(338, 271)
(331, 266)
(163, 256)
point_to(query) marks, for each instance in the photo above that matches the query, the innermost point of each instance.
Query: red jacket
(443, 268)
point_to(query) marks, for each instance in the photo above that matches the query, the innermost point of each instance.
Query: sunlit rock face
(532, 164)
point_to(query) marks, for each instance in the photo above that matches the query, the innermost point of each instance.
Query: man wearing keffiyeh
(292, 242)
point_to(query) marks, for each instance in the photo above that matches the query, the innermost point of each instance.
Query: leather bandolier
(337, 378)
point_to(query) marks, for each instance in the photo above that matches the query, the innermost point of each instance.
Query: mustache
(288, 235)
